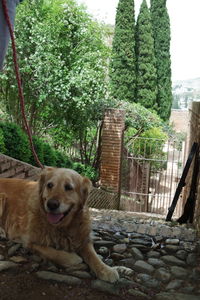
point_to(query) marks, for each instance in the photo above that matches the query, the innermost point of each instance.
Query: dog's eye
(50, 185)
(68, 187)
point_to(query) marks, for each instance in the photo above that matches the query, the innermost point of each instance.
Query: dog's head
(63, 193)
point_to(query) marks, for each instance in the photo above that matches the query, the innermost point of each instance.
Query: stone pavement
(155, 259)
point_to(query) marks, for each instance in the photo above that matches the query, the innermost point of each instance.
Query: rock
(127, 262)
(179, 272)
(125, 240)
(5, 265)
(34, 267)
(174, 284)
(163, 275)
(117, 256)
(120, 248)
(58, 277)
(105, 287)
(103, 250)
(187, 289)
(196, 273)
(171, 248)
(175, 296)
(36, 258)
(13, 249)
(137, 294)
(136, 253)
(172, 241)
(182, 254)
(18, 259)
(153, 254)
(142, 266)
(141, 242)
(118, 236)
(109, 262)
(1, 257)
(170, 259)
(191, 259)
(143, 277)
(79, 267)
(81, 274)
(152, 283)
(156, 262)
(52, 268)
(104, 243)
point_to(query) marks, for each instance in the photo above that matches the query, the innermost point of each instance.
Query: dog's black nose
(53, 204)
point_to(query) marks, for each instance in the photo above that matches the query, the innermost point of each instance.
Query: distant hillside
(190, 83)
(184, 92)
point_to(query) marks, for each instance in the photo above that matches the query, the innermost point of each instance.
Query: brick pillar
(111, 149)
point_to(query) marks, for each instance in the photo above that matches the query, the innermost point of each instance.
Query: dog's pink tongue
(54, 218)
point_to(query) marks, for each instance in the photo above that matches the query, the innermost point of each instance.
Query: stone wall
(180, 119)
(10, 167)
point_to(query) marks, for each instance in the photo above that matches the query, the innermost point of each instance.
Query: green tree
(146, 91)
(63, 61)
(161, 34)
(122, 63)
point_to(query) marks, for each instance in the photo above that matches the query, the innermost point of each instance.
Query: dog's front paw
(108, 274)
(73, 259)
(124, 271)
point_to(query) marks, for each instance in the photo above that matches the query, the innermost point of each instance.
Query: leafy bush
(85, 170)
(16, 142)
(49, 155)
(38, 146)
(2, 144)
(150, 145)
(62, 161)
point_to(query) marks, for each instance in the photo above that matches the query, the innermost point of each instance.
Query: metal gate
(151, 169)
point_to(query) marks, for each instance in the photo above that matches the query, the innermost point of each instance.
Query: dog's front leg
(59, 257)
(101, 270)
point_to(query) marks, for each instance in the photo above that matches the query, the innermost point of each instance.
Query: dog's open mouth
(54, 218)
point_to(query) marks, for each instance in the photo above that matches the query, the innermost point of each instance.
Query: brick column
(111, 149)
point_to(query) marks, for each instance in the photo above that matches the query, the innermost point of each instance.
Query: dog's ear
(3, 198)
(86, 187)
(42, 178)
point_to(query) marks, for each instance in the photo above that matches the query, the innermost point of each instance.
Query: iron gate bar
(182, 181)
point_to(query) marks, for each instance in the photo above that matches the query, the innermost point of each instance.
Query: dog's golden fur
(51, 217)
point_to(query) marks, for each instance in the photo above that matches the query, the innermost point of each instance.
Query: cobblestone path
(155, 259)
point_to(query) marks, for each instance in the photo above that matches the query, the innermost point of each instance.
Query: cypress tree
(146, 90)
(122, 63)
(161, 34)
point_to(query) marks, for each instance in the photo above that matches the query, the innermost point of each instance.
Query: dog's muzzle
(55, 213)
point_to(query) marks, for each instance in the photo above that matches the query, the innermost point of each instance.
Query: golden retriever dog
(51, 217)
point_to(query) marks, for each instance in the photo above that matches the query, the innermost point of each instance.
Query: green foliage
(16, 142)
(161, 34)
(2, 144)
(63, 63)
(62, 161)
(146, 90)
(150, 145)
(85, 170)
(122, 64)
(138, 119)
(49, 155)
(38, 146)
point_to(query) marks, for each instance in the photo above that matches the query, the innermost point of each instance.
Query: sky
(185, 27)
